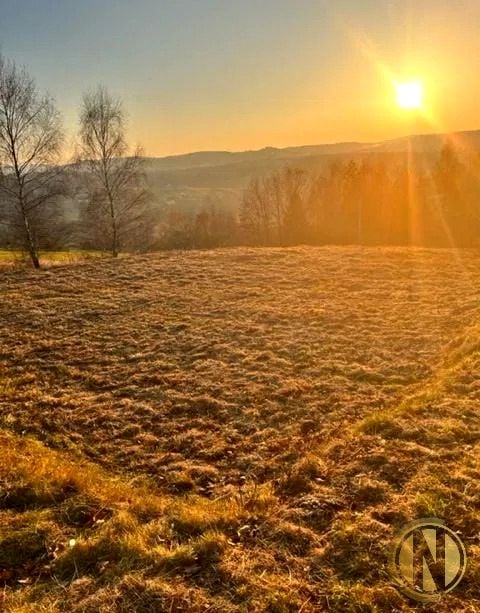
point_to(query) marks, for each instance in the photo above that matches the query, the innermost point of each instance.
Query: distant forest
(368, 202)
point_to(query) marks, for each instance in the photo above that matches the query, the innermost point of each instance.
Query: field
(235, 430)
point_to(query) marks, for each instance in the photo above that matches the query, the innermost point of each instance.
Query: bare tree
(117, 197)
(256, 211)
(272, 210)
(30, 143)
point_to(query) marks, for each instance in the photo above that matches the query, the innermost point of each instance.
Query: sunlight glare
(409, 94)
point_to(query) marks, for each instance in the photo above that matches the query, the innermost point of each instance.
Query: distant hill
(214, 158)
(188, 180)
(430, 143)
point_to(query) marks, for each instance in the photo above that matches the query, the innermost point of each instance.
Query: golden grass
(236, 430)
(66, 519)
(11, 257)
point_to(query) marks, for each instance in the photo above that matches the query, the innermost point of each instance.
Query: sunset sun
(409, 94)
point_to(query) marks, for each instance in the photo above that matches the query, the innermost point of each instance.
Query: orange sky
(223, 74)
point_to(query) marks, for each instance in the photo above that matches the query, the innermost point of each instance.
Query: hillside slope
(238, 430)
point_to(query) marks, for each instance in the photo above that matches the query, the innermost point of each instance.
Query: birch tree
(30, 145)
(117, 196)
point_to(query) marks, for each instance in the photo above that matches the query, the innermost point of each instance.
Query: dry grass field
(235, 430)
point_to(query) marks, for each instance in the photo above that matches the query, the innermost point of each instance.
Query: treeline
(402, 200)
(211, 225)
(371, 202)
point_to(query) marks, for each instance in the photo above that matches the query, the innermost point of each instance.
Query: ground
(236, 430)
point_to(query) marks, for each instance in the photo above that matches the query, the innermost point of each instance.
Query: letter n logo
(427, 560)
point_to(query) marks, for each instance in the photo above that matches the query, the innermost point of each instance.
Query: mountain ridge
(422, 143)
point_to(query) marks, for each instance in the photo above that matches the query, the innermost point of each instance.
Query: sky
(246, 74)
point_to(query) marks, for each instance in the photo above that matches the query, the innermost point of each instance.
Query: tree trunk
(113, 217)
(31, 244)
(34, 258)
(114, 235)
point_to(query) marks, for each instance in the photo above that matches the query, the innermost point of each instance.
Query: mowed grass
(237, 430)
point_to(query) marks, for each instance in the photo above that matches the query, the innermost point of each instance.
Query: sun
(409, 94)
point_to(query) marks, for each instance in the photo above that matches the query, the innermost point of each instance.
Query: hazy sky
(244, 74)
